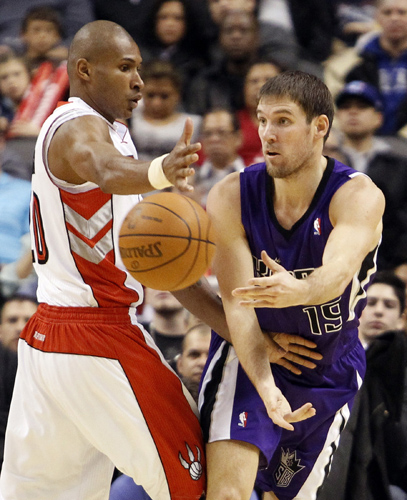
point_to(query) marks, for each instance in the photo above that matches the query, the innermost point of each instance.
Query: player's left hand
(281, 289)
(279, 410)
(176, 165)
(285, 349)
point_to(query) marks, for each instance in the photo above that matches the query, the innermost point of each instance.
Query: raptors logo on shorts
(194, 465)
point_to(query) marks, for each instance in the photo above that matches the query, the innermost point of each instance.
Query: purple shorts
(292, 463)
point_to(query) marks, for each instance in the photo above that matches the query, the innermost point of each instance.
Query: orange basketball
(166, 241)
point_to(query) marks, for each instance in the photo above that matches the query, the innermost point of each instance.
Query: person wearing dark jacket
(359, 115)
(383, 64)
(371, 460)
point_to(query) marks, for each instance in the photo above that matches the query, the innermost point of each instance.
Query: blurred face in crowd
(163, 302)
(357, 118)
(41, 36)
(256, 77)
(160, 97)
(383, 312)
(191, 362)
(14, 316)
(238, 35)
(14, 79)
(170, 24)
(220, 141)
(392, 17)
(218, 8)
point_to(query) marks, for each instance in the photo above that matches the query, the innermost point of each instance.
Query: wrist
(156, 175)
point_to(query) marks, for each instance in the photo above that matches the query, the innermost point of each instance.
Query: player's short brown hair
(307, 90)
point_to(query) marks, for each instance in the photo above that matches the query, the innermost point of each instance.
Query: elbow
(91, 168)
(105, 178)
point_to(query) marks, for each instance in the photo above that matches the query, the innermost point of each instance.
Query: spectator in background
(384, 309)
(27, 101)
(355, 18)
(14, 315)
(359, 116)
(15, 254)
(42, 34)
(273, 41)
(221, 84)
(74, 14)
(173, 33)
(169, 321)
(310, 25)
(371, 460)
(131, 14)
(41, 31)
(383, 64)
(257, 75)
(158, 122)
(191, 361)
(221, 139)
(15, 80)
(134, 15)
(11, 162)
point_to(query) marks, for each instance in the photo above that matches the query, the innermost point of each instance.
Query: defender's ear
(83, 69)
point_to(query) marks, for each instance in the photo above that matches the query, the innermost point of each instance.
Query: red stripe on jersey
(91, 241)
(109, 334)
(106, 281)
(86, 204)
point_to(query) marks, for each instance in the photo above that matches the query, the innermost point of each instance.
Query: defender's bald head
(95, 40)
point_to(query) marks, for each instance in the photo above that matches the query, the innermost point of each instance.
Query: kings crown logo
(287, 468)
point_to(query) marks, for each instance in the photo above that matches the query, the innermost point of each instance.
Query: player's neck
(293, 195)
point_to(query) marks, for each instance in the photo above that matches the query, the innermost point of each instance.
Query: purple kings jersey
(333, 325)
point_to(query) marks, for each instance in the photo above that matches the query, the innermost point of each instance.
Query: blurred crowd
(207, 59)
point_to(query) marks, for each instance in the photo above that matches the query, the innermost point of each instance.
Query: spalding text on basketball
(151, 250)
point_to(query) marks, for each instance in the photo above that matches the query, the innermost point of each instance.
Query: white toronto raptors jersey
(74, 228)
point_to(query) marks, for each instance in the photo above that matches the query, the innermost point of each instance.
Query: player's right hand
(285, 349)
(176, 165)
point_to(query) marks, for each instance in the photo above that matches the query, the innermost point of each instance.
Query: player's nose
(137, 82)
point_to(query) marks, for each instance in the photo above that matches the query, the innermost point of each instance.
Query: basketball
(166, 241)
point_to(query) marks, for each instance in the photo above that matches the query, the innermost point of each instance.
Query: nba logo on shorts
(242, 419)
(287, 468)
(317, 226)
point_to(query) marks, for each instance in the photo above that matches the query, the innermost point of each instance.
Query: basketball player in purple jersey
(297, 238)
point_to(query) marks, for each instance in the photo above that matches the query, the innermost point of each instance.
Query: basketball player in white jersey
(92, 389)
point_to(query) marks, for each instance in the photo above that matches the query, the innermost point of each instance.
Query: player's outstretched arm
(356, 214)
(82, 150)
(233, 266)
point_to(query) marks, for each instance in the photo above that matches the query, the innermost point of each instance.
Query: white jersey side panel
(74, 228)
